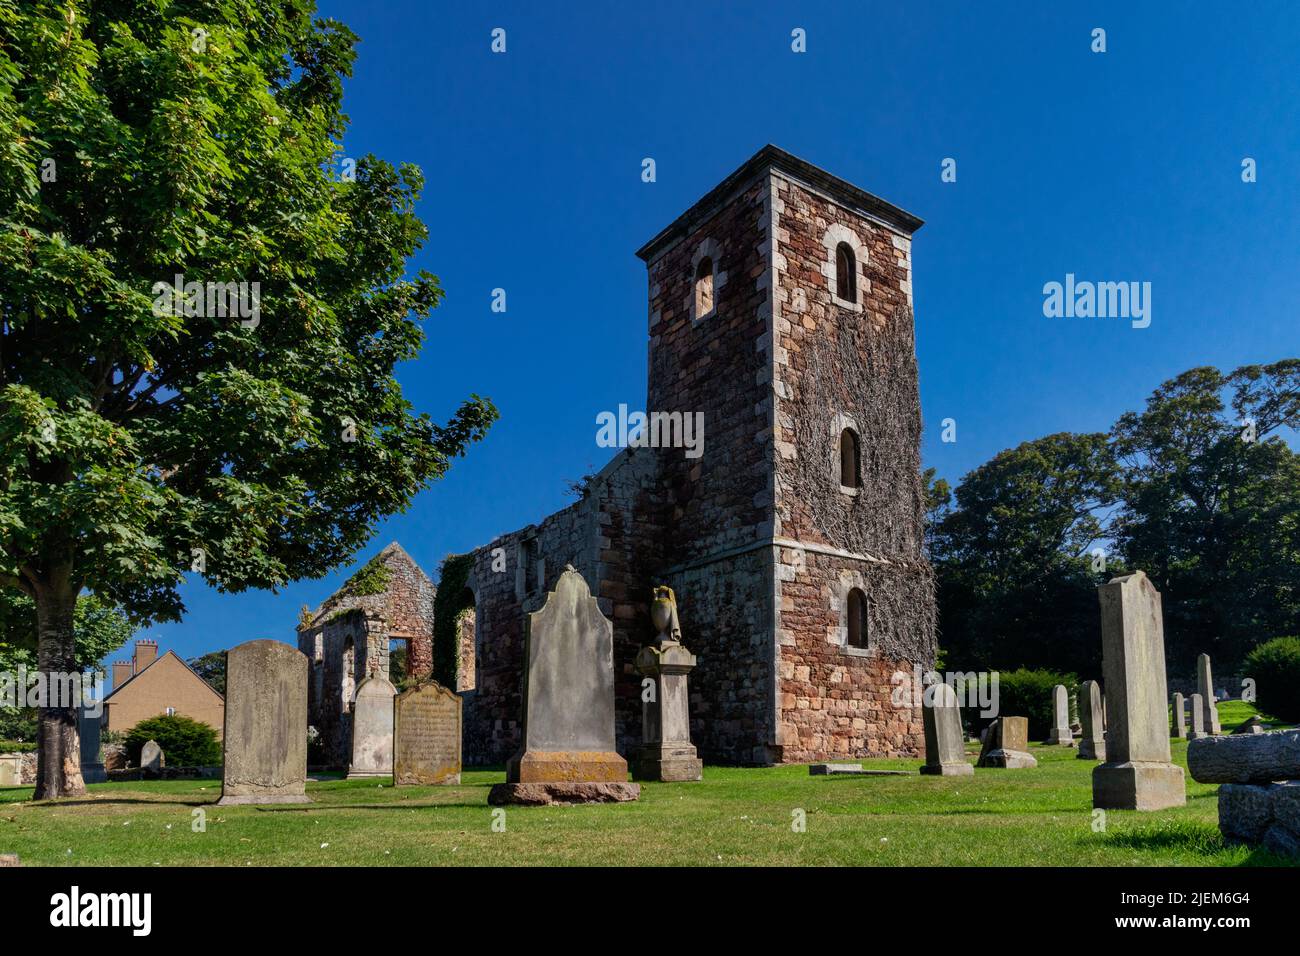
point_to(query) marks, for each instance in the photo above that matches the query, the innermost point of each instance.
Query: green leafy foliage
(1275, 667)
(144, 435)
(450, 605)
(185, 742)
(212, 668)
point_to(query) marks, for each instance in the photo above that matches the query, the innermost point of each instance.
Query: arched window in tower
(850, 459)
(846, 283)
(704, 288)
(857, 618)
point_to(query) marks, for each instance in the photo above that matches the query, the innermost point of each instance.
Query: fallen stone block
(1249, 758)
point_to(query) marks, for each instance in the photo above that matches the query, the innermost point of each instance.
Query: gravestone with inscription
(265, 739)
(568, 753)
(426, 736)
(1138, 773)
(945, 753)
(1092, 739)
(372, 729)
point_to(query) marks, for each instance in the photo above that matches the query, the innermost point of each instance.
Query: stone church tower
(781, 307)
(780, 310)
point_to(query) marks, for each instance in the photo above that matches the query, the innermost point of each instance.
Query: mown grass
(1041, 816)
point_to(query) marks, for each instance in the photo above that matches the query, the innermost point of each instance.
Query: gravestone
(1138, 773)
(265, 740)
(1252, 725)
(1061, 734)
(426, 736)
(152, 760)
(945, 752)
(1180, 717)
(1007, 745)
(666, 753)
(11, 766)
(567, 754)
(1198, 719)
(92, 764)
(372, 729)
(1205, 687)
(1092, 740)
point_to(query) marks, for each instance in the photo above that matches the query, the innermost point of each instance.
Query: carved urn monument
(666, 753)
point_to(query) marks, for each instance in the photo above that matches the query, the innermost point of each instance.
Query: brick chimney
(145, 654)
(121, 673)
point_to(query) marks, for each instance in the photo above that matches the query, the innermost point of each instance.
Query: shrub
(17, 747)
(1028, 693)
(185, 742)
(1275, 668)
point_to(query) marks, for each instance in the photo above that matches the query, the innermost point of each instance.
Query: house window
(171, 711)
(846, 285)
(856, 609)
(850, 459)
(704, 287)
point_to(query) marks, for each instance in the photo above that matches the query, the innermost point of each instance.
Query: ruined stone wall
(841, 363)
(329, 709)
(610, 537)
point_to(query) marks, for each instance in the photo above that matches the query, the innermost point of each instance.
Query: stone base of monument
(1197, 735)
(668, 763)
(540, 794)
(1138, 786)
(565, 766)
(370, 774)
(1060, 738)
(94, 773)
(962, 769)
(1008, 759)
(1091, 749)
(257, 800)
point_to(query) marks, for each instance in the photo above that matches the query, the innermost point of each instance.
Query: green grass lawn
(735, 816)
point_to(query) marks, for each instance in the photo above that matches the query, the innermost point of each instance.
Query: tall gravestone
(568, 750)
(1198, 719)
(1180, 717)
(92, 763)
(667, 753)
(426, 736)
(1205, 687)
(1138, 773)
(1061, 735)
(945, 751)
(1092, 739)
(372, 729)
(265, 736)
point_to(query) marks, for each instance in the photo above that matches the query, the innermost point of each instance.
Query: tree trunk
(58, 754)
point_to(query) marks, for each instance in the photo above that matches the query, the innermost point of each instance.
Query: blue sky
(1123, 165)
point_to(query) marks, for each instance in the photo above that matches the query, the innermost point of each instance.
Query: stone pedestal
(1138, 773)
(667, 753)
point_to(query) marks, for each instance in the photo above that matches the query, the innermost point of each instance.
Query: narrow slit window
(857, 622)
(704, 287)
(846, 285)
(850, 459)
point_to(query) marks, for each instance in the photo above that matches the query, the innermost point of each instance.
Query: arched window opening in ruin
(704, 288)
(467, 667)
(349, 681)
(850, 459)
(398, 662)
(857, 618)
(846, 283)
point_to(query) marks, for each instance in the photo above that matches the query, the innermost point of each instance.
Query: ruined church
(780, 307)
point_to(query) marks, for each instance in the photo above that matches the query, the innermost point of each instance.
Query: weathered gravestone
(1180, 717)
(1060, 734)
(1198, 719)
(568, 753)
(1205, 687)
(265, 736)
(1007, 745)
(372, 729)
(1092, 740)
(1252, 725)
(426, 736)
(152, 759)
(945, 752)
(1137, 774)
(667, 753)
(11, 770)
(1259, 800)
(92, 764)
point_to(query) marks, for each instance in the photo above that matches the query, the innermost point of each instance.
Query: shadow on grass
(1200, 838)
